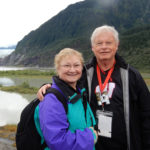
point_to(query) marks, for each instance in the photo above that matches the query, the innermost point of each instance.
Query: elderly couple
(116, 112)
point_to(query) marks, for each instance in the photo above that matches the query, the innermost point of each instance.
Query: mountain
(135, 47)
(73, 26)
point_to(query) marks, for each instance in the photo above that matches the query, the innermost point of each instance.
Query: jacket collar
(63, 87)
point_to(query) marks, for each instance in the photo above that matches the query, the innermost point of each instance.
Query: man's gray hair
(105, 28)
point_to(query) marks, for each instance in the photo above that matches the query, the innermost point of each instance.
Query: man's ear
(92, 48)
(118, 46)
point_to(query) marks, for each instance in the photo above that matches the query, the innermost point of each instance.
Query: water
(32, 81)
(5, 52)
(4, 81)
(11, 68)
(5, 68)
(11, 105)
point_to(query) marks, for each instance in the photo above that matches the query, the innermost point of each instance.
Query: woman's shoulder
(51, 103)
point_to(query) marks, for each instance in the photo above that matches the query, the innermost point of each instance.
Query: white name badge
(104, 123)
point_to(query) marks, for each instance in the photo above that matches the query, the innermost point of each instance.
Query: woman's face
(70, 70)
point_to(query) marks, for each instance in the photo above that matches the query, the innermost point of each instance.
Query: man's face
(105, 46)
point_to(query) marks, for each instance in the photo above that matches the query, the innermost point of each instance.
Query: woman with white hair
(74, 130)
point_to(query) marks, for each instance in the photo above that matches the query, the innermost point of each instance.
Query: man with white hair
(117, 94)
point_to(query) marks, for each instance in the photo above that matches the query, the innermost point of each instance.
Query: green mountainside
(73, 26)
(135, 47)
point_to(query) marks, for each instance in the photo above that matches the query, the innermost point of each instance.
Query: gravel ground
(6, 144)
(7, 136)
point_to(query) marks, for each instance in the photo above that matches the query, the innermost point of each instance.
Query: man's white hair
(105, 28)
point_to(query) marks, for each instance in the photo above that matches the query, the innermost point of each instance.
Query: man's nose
(104, 45)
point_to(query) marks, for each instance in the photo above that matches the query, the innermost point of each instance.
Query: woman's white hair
(67, 52)
(105, 28)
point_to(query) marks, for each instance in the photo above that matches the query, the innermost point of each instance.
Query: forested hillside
(135, 47)
(73, 26)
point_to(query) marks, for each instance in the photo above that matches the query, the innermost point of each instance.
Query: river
(11, 104)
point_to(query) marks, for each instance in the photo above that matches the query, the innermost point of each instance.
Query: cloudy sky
(19, 17)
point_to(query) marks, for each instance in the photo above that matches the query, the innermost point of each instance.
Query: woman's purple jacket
(63, 131)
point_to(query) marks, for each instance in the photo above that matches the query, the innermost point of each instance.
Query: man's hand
(42, 91)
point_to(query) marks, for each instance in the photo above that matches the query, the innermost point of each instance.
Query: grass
(147, 81)
(146, 77)
(28, 73)
(24, 88)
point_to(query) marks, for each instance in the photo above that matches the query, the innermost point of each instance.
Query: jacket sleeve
(143, 96)
(54, 126)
